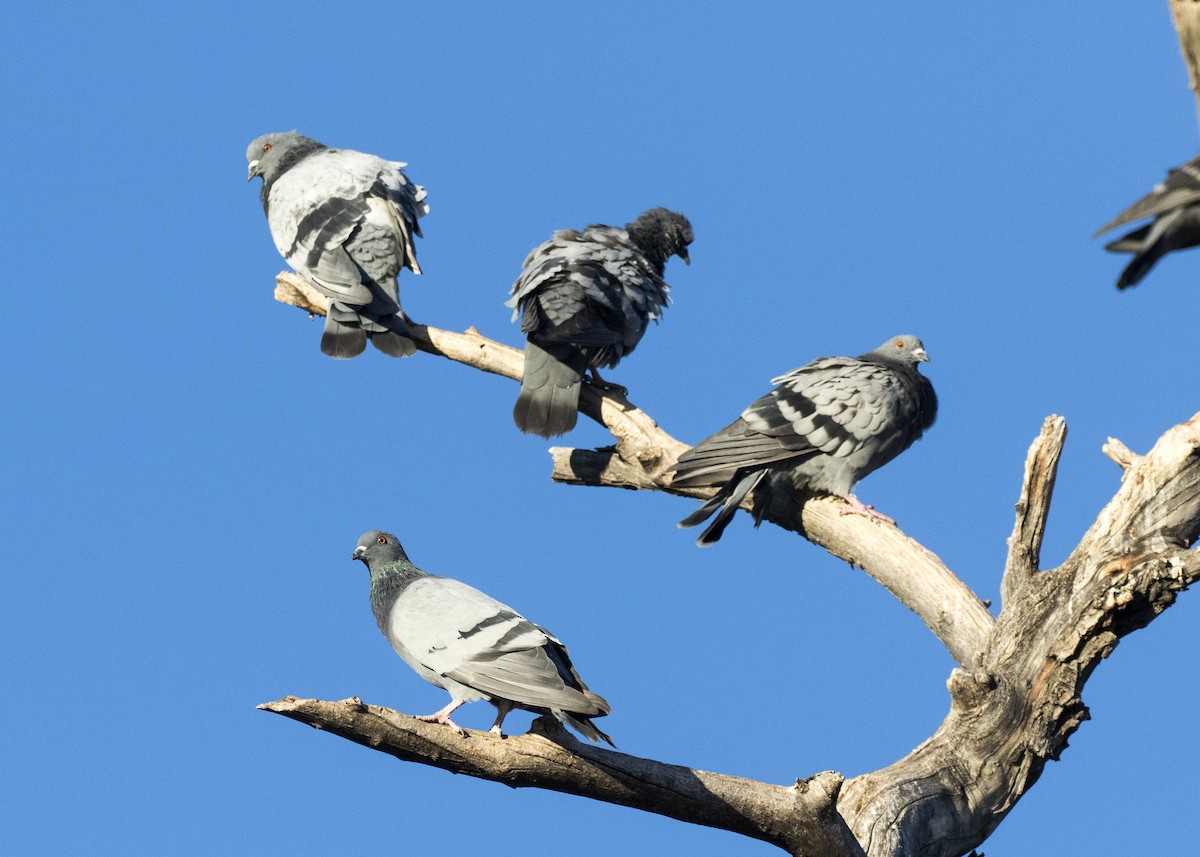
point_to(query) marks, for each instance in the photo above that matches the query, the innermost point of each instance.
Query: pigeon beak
(253, 170)
(921, 355)
(683, 254)
(358, 553)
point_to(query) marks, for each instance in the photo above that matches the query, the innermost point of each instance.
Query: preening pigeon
(345, 221)
(1175, 206)
(826, 426)
(585, 299)
(472, 645)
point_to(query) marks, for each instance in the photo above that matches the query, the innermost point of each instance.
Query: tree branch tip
(1120, 454)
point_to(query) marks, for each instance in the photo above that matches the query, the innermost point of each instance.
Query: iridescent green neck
(388, 580)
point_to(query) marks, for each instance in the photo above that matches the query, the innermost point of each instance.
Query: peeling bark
(1014, 700)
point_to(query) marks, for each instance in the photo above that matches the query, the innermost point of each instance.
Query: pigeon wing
(829, 406)
(593, 289)
(338, 204)
(1180, 188)
(459, 632)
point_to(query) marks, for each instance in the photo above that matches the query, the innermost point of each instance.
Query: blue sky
(185, 474)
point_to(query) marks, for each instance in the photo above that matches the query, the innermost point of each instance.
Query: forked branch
(643, 451)
(1014, 702)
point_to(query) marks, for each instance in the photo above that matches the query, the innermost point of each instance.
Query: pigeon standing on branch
(826, 426)
(473, 646)
(1175, 206)
(345, 221)
(585, 299)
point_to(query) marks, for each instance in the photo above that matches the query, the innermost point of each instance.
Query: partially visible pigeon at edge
(1175, 206)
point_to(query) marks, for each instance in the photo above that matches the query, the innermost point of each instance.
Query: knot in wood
(969, 688)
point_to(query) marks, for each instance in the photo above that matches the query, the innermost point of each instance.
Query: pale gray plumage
(585, 300)
(826, 426)
(460, 639)
(1175, 206)
(345, 221)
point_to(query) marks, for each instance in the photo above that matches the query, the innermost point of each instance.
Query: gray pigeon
(1175, 206)
(472, 645)
(585, 299)
(826, 426)
(344, 221)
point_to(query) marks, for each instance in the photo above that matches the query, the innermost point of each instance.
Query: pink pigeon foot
(442, 716)
(857, 507)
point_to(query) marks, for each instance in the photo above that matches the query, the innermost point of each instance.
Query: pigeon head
(271, 154)
(661, 234)
(902, 349)
(376, 546)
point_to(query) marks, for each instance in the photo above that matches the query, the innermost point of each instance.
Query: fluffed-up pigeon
(585, 299)
(1175, 206)
(345, 221)
(472, 645)
(826, 426)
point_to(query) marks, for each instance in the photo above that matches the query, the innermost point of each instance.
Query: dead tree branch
(1017, 710)
(1014, 701)
(643, 451)
(800, 819)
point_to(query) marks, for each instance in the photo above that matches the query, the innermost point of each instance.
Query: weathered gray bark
(1015, 698)
(800, 818)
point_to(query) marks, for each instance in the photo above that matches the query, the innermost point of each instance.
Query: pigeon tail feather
(725, 504)
(1140, 266)
(342, 341)
(548, 404)
(393, 344)
(583, 725)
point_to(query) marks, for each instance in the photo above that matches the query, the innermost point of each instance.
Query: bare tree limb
(800, 819)
(1158, 504)
(1014, 702)
(1025, 543)
(1121, 455)
(643, 451)
(1016, 711)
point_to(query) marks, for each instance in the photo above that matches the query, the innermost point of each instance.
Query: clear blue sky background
(184, 474)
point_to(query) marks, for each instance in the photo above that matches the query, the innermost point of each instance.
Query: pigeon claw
(443, 720)
(858, 507)
(600, 384)
(442, 716)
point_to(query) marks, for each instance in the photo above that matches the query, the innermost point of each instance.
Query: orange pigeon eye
(899, 343)
(382, 540)
(266, 148)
